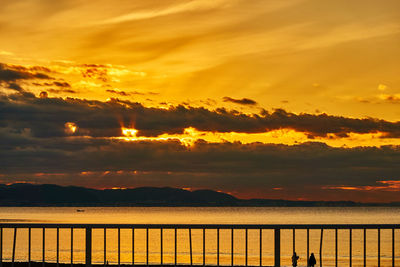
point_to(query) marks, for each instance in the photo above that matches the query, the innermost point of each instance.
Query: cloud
(59, 91)
(69, 136)
(94, 71)
(13, 73)
(187, 6)
(243, 101)
(46, 117)
(315, 167)
(124, 93)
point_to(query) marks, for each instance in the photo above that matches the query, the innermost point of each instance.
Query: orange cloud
(389, 185)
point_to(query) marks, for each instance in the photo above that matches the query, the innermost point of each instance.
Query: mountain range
(25, 194)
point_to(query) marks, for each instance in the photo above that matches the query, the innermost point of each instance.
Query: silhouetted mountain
(55, 195)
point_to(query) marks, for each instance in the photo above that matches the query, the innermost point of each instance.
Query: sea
(202, 215)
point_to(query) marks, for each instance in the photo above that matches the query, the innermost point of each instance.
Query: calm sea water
(206, 216)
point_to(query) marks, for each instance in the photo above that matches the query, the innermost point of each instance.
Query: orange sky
(231, 63)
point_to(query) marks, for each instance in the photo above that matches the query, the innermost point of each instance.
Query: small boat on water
(79, 210)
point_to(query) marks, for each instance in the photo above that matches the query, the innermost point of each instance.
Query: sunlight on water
(199, 216)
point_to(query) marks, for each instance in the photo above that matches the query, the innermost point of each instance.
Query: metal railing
(175, 227)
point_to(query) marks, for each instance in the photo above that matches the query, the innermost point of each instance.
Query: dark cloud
(36, 146)
(15, 87)
(99, 72)
(58, 91)
(124, 93)
(231, 166)
(62, 84)
(56, 83)
(243, 101)
(47, 117)
(13, 73)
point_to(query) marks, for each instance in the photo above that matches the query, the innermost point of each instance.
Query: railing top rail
(202, 226)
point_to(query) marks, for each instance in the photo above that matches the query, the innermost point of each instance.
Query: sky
(296, 99)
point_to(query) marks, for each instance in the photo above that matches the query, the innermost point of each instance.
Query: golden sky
(317, 71)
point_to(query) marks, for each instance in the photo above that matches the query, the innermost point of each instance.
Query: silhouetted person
(312, 261)
(295, 258)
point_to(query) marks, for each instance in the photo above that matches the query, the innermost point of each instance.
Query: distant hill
(55, 195)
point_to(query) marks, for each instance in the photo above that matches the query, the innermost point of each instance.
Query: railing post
(161, 246)
(190, 247)
(133, 246)
(217, 247)
(365, 247)
(58, 247)
(379, 247)
(320, 247)
(232, 246)
(119, 246)
(393, 242)
(29, 246)
(88, 245)
(72, 246)
(308, 244)
(176, 245)
(105, 246)
(350, 247)
(147, 246)
(204, 246)
(246, 246)
(277, 235)
(14, 244)
(1, 247)
(43, 246)
(261, 247)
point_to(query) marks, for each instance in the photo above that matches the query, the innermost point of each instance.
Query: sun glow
(129, 132)
(70, 127)
(191, 135)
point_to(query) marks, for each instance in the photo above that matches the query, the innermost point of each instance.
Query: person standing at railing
(312, 261)
(295, 258)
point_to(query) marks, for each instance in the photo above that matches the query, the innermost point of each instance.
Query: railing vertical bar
(247, 241)
(204, 246)
(14, 244)
(320, 246)
(176, 245)
(277, 248)
(350, 247)
(133, 246)
(365, 247)
(43, 245)
(119, 246)
(260, 246)
(88, 244)
(1, 247)
(393, 247)
(217, 246)
(29, 246)
(72, 246)
(336, 247)
(232, 246)
(105, 246)
(308, 244)
(379, 247)
(147, 246)
(161, 246)
(58, 246)
(190, 246)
